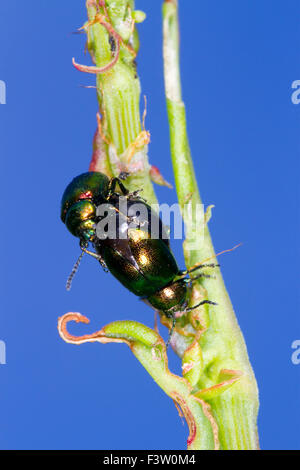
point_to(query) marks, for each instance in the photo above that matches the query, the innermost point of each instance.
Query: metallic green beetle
(144, 265)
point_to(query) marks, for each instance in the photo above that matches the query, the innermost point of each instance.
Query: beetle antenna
(74, 271)
(222, 252)
(171, 331)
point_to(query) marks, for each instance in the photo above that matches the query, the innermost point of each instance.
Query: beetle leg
(124, 175)
(129, 218)
(199, 305)
(206, 276)
(199, 266)
(118, 180)
(112, 186)
(203, 264)
(124, 190)
(96, 256)
(136, 194)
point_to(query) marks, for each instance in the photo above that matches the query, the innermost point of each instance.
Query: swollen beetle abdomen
(80, 219)
(169, 297)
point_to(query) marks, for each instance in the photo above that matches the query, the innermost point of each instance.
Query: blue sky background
(239, 60)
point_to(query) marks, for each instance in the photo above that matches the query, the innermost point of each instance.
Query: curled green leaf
(149, 348)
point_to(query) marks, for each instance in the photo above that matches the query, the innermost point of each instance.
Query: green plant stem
(222, 344)
(118, 89)
(217, 393)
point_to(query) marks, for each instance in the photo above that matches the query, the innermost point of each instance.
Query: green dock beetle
(144, 264)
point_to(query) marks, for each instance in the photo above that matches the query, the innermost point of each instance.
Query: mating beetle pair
(144, 265)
